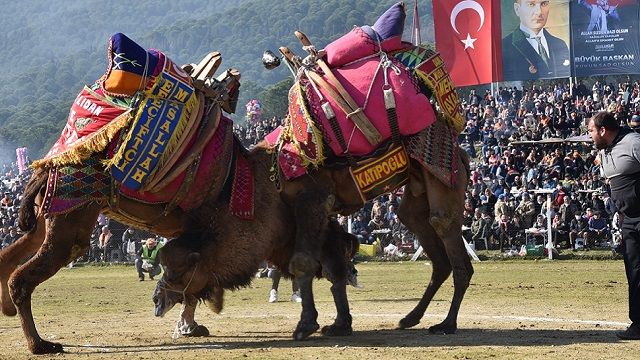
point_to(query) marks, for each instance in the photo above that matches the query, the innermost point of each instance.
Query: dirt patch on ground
(512, 310)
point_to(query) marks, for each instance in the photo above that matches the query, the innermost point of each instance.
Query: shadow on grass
(375, 338)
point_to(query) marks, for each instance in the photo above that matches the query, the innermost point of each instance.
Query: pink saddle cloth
(413, 109)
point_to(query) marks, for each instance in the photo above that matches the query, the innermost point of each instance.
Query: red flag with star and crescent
(468, 39)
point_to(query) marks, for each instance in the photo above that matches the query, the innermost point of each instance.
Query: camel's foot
(304, 329)
(198, 331)
(408, 321)
(337, 330)
(45, 347)
(444, 328)
(9, 309)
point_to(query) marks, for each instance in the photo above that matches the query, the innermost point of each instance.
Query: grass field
(513, 309)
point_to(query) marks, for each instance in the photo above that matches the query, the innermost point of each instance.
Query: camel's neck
(261, 159)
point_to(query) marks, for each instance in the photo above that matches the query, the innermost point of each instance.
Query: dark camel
(49, 244)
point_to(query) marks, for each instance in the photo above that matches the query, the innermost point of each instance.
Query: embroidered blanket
(162, 113)
(367, 61)
(94, 120)
(74, 185)
(436, 149)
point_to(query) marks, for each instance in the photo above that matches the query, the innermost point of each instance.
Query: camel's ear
(193, 258)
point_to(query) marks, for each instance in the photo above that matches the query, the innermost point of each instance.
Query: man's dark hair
(606, 120)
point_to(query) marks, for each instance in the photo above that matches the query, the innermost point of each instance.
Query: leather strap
(356, 114)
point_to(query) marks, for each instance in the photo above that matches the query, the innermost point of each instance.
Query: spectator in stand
(6, 200)
(526, 211)
(480, 227)
(577, 229)
(378, 224)
(506, 231)
(360, 230)
(598, 230)
(10, 238)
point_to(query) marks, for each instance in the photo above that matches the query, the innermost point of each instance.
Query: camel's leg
(312, 222)
(14, 255)
(445, 216)
(412, 212)
(67, 237)
(342, 325)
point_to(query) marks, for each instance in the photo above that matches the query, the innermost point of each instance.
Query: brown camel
(51, 243)
(314, 197)
(195, 256)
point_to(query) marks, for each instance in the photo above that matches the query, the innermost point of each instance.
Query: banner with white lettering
(605, 37)
(90, 112)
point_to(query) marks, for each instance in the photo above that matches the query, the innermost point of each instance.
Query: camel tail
(27, 216)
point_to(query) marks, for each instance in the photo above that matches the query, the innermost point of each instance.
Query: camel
(323, 192)
(51, 243)
(198, 249)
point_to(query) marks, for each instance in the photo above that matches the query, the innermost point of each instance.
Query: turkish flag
(468, 39)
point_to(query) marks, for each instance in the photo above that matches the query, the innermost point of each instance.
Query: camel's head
(184, 276)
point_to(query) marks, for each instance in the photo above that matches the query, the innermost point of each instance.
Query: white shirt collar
(531, 38)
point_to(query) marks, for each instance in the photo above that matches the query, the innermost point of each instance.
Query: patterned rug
(73, 185)
(436, 148)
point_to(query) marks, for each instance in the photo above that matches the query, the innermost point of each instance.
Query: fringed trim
(94, 143)
(176, 137)
(117, 156)
(316, 133)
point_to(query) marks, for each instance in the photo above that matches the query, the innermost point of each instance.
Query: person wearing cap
(147, 259)
(619, 155)
(634, 123)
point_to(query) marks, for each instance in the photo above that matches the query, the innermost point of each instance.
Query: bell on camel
(270, 60)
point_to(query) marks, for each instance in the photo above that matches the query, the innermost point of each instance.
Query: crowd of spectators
(251, 132)
(525, 140)
(11, 188)
(520, 140)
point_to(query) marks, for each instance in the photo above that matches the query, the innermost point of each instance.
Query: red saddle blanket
(76, 184)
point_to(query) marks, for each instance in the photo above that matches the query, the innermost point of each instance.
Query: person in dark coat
(619, 155)
(530, 51)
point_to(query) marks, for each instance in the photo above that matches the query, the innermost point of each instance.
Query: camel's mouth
(164, 299)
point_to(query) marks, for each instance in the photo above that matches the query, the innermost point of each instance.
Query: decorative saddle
(150, 130)
(364, 90)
